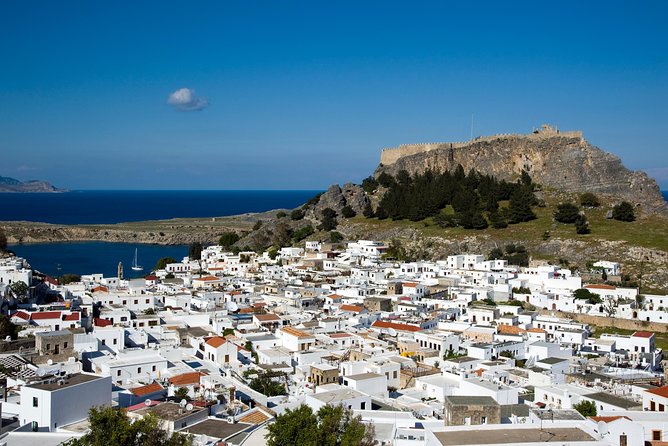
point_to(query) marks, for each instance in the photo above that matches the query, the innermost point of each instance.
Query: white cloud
(185, 99)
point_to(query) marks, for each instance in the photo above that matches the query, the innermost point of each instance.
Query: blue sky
(299, 95)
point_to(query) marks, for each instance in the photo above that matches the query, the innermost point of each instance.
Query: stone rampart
(624, 324)
(390, 155)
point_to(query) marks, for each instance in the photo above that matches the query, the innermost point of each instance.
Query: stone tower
(120, 270)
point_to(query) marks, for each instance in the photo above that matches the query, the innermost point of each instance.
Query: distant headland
(8, 184)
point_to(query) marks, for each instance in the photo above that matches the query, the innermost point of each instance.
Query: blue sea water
(94, 207)
(108, 206)
(56, 259)
(665, 194)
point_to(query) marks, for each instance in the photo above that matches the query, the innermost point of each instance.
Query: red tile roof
(101, 322)
(410, 284)
(661, 391)
(609, 419)
(351, 308)
(147, 389)
(295, 332)
(643, 334)
(75, 316)
(600, 287)
(21, 315)
(100, 289)
(186, 378)
(269, 317)
(151, 277)
(216, 341)
(45, 315)
(396, 326)
(207, 279)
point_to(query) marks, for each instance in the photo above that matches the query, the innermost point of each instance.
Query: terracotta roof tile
(256, 417)
(45, 315)
(186, 379)
(661, 391)
(642, 334)
(294, 332)
(216, 341)
(147, 389)
(396, 326)
(609, 419)
(351, 308)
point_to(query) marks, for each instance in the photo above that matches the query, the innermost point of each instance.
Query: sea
(93, 207)
(106, 207)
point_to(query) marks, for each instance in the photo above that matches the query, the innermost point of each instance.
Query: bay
(56, 259)
(117, 206)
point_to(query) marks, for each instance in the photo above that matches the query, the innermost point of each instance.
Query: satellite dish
(183, 403)
(40, 372)
(49, 362)
(189, 407)
(147, 403)
(232, 306)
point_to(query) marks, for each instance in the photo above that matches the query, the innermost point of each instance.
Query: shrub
(348, 212)
(297, 214)
(589, 200)
(623, 212)
(227, 239)
(566, 213)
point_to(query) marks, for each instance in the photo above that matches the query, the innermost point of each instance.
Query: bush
(163, 262)
(586, 408)
(227, 239)
(297, 214)
(302, 233)
(328, 221)
(566, 213)
(281, 214)
(257, 225)
(623, 212)
(589, 200)
(581, 225)
(369, 184)
(335, 237)
(368, 211)
(348, 212)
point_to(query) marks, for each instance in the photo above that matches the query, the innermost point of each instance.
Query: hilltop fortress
(390, 155)
(556, 159)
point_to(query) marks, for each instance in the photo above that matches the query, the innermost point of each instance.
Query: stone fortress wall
(390, 156)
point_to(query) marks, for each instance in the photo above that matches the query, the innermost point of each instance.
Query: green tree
(585, 294)
(495, 254)
(163, 262)
(519, 208)
(267, 385)
(228, 332)
(348, 212)
(181, 394)
(589, 200)
(368, 211)
(281, 214)
(369, 184)
(335, 237)
(7, 328)
(301, 233)
(149, 311)
(297, 214)
(227, 239)
(566, 213)
(581, 225)
(69, 278)
(195, 251)
(3, 240)
(272, 252)
(109, 425)
(296, 427)
(623, 212)
(586, 408)
(328, 221)
(330, 426)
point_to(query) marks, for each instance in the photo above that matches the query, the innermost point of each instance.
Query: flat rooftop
(168, 411)
(216, 428)
(473, 436)
(51, 384)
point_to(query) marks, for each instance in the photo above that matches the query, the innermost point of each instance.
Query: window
(623, 441)
(656, 436)
(153, 368)
(104, 342)
(138, 369)
(65, 344)
(118, 373)
(115, 341)
(35, 402)
(483, 420)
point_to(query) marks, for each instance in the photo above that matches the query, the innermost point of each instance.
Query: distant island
(8, 184)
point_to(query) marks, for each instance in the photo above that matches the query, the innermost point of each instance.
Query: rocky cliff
(562, 162)
(13, 185)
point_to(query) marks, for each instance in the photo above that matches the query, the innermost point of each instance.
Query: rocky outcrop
(12, 185)
(567, 163)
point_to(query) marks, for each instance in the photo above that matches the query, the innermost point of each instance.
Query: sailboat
(136, 267)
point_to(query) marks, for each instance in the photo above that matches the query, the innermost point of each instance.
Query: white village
(461, 351)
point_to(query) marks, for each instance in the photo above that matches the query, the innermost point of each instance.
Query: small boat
(135, 266)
